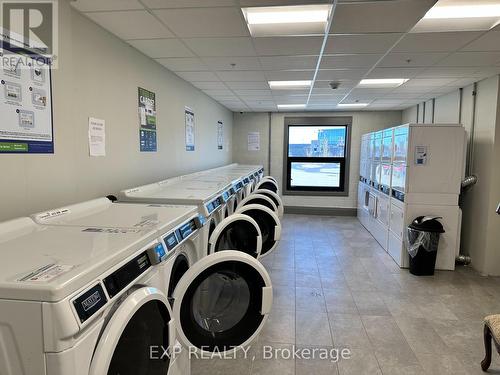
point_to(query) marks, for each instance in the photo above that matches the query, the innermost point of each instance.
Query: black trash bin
(423, 241)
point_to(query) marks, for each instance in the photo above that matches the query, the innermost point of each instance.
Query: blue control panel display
(171, 241)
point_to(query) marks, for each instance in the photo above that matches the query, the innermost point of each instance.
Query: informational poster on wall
(147, 120)
(254, 141)
(25, 103)
(189, 120)
(220, 135)
(97, 137)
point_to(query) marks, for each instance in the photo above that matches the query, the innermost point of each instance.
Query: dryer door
(237, 232)
(268, 184)
(222, 302)
(275, 198)
(143, 320)
(269, 224)
(259, 199)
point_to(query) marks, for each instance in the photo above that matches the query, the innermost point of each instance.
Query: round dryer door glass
(179, 268)
(142, 321)
(238, 232)
(269, 185)
(269, 224)
(259, 199)
(222, 302)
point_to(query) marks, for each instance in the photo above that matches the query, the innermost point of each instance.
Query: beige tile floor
(335, 287)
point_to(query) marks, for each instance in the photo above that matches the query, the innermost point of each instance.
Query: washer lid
(222, 302)
(275, 198)
(237, 232)
(269, 224)
(259, 199)
(142, 322)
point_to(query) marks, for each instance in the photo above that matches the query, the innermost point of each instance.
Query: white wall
(362, 122)
(480, 224)
(98, 76)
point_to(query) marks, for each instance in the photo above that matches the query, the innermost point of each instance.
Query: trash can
(422, 243)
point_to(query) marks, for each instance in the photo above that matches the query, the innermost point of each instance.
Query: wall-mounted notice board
(25, 103)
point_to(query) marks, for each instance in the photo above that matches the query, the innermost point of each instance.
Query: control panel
(246, 181)
(238, 186)
(213, 205)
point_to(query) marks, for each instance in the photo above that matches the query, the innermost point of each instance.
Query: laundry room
(249, 187)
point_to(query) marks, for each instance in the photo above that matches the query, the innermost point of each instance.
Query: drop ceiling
(207, 43)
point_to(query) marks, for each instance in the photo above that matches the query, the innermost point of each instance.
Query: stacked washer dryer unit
(92, 300)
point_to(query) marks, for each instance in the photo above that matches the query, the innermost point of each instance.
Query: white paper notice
(97, 137)
(189, 120)
(253, 141)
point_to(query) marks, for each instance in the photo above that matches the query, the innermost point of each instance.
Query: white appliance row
(91, 288)
(409, 171)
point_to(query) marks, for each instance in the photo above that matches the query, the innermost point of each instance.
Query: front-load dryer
(269, 225)
(261, 199)
(91, 302)
(209, 198)
(269, 184)
(275, 198)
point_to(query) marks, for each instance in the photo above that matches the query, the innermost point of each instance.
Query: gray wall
(98, 76)
(480, 224)
(362, 122)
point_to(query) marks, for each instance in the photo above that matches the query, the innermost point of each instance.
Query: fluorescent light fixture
(277, 85)
(291, 106)
(463, 11)
(464, 15)
(287, 20)
(352, 105)
(382, 83)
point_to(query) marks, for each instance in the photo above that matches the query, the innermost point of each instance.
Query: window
(316, 155)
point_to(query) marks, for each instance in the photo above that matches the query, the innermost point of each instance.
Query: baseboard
(325, 211)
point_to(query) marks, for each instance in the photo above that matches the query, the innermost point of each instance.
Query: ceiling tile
(264, 3)
(290, 92)
(144, 25)
(379, 16)
(209, 85)
(478, 59)
(394, 72)
(241, 76)
(361, 43)
(488, 42)
(344, 85)
(350, 61)
(186, 64)
(301, 45)
(224, 63)
(253, 93)
(410, 60)
(214, 47)
(159, 4)
(259, 85)
(448, 72)
(435, 42)
(219, 93)
(431, 82)
(339, 74)
(289, 62)
(204, 22)
(198, 76)
(158, 48)
(291, 100)
(100, 5)
(289, 75)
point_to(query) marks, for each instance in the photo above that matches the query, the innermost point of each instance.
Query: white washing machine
(269, 225)
(269, 184)
(275, 198)
(209, 197)
(261, 199)
(91, 301)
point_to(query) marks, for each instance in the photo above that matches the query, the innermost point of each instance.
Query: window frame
(343, 190)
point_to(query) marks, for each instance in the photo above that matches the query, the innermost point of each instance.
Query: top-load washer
(91, 300)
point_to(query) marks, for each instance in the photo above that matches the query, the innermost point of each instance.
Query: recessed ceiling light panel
(382, 83)
(465, 15)
(352, 105)
(291, 106)
(287, 20)
(289, 85)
